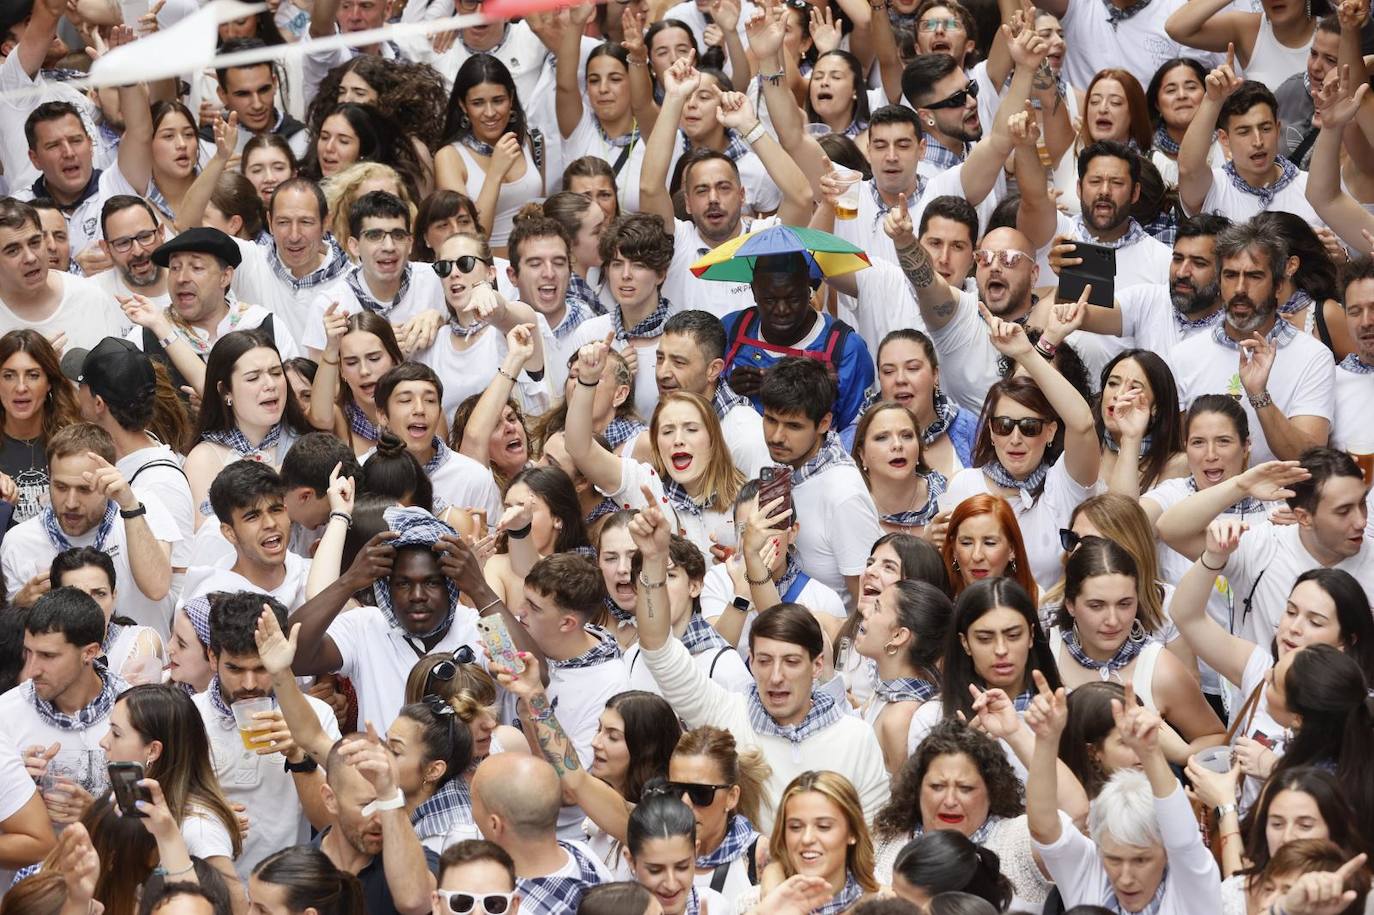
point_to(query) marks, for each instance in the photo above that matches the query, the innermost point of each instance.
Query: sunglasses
(1009, 258)
(958, 99)
(698, 795)
(447, 669)
(490, 903)
(1069, 540)
(465, 264)
(1030, 426)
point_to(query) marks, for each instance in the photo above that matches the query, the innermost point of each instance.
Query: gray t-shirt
(1295, 114)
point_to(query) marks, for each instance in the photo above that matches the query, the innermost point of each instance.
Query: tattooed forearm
(648, 597)
(915, 263)
(548, 733)
(944, 309)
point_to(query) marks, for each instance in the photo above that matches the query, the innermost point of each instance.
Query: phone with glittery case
(499, 643)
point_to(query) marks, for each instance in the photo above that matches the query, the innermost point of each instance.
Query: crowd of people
(651, 459)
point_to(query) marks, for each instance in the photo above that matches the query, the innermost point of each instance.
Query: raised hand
(1066, 317)
(760, 529)
(1270, 481)
(276, 650)
(1323, 892)
(107, 479)
(726, 14)
(141, 311)
(226, 136)
(1138, 726)
(765, 31)
(340, 491)
(460, 564)
(994, 713)
(799, 894)
(157, 816)
(1027, 48)
(506, 153)
(736, 112)
(632, 25)
(649, 529)
(825, 33)
(1222, 82)
(1353, 14)
(1008, 337)
(1223, 538)
(77, 861)
(335, 326)
(897, 224)
(1337, 101)
(1132, 416)
(522, 684)
(591, 361)
(520, 343)
(373, 562)
(681, 78)
(1256, 362)
(373, 761)
(1048, 713)
(1024, 127)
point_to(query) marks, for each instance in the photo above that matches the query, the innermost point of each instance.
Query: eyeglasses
(1030, 426)
(1069, 540)
(949, 25)
(1010, 259)
(698, 795)
(465, 264)
(144, 239)
(958, 99)
(376, 236)
(491, 903)
(447, 669)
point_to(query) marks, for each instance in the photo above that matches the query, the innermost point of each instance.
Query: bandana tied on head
(414, 527)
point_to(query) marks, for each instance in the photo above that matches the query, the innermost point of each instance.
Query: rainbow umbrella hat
(826, 254)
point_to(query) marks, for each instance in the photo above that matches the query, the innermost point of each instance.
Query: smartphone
(1098, 270)
(499, 643)
(776, 483)
(124, 779)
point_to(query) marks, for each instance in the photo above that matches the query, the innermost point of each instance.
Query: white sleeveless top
(1142, 674)
(513, 195)
(122, 649)
(1272, 63)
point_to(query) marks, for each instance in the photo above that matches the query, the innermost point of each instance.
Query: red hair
(998, 507)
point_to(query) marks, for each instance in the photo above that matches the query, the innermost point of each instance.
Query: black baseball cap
(203, 240)
(114, 368)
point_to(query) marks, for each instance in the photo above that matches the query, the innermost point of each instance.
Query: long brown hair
(746, 768)
(861, 434)
(59, 407)
(858, 858)
(165, 713)
(171, 421)
(369, 322)
(985, 504)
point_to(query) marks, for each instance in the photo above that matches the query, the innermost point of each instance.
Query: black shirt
(376, 893)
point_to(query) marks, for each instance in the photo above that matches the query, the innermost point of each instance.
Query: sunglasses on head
(447, 669)
(490, 903)
(698, 795)
(1030, 426)
(1069, 540)
(957, 100)
(465, 264)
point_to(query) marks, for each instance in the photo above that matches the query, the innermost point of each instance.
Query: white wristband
(395, 803)
(753, 135)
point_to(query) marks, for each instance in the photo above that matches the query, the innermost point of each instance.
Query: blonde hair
(471, 691)
(746, 768)
(858, 858)
(1121, 519)
(722, 479)
(341, 190)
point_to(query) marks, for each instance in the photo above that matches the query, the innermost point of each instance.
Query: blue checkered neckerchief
(855, 128)
(102, 532)
(935, 485)
(693, 903)
(1002, 477)
(465, 331)
(1186, 323)
(1246, 506)
(441, 455)
(650, 327)
(1113, 905)
(1299, 300)
(557, 893)
(113, 631)
(1116, 15)
(603, 508)
(605, 649)
(1121, 659)
(1283, 334)
(681, 500)
(446, 808)
(735, 147)
(98, 709)
(941, 156)
(234, 439)
(906, 689)
(197, 610)
(791, 571)
(1164, 142)
(575, 313)
(725, 399)
(482, 149)
(740, 834)
(359, 424)
(223, 712)
(354, 279)
(414, 527)
(946, 412)
(159, 199)
(586, 296)
(1115, 447)
(844, 900)
(1353, 363)
(1134, 233)
(621, 429)
(614, 609)
(831, 454)
(882, 206)
(821, 715)
(702, 636)
(335, 263)
(620, 142)
(1288, 172)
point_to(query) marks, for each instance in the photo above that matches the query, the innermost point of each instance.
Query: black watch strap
(304, 767)
(134, 512)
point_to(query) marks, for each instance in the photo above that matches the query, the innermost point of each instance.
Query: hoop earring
(1138, 633)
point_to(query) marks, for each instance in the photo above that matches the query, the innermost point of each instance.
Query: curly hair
(341, 192)
(414, 94)
(380, 139)
(901, 815)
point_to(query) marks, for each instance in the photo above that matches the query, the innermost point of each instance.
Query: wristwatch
(304, 767)
(1261, 400)
(134, 512)
(742, 604)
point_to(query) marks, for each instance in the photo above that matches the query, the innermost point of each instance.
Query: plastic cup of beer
(1215, 759)
(250, 728)
(1361, 447)
(847, 204)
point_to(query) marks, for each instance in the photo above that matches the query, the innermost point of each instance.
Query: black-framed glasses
(465, 264)
(1030, 426)
(698, 794)
(447, 669)
(377, 236)
(957, 100)
(144, 239)
(1069, 540)
(490, 903)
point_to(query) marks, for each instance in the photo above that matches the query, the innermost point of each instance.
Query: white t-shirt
(761, 194)
(26, 551)
(646, 353)
(1302, 381)
(520, 50)
(718, 590)
(1227, 200)
(688, 293)
(259, 783)
(724, 665)
(378, 657)
(886, 303)
(1138, 44)
(1144, 261)
(470, 371)
(239, 317)
(83, 222)
(424, 294)
(84, 313)
(111, 284)
(839, 524)
(1148, 322)
(256, 281)
(171, 488)
(742, 427)
(461, 481)
(1350, 423)
(587, 139)
(201, 580)
(1040, 520)
(866, 230)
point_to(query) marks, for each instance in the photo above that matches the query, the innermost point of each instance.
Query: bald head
(1005, 283)
(522, 790)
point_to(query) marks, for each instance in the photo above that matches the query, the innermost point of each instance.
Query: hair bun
(389, 444)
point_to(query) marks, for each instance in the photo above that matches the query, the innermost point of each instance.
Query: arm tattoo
(915, 263)
(648, 600)
(553, 741)
(944, 309)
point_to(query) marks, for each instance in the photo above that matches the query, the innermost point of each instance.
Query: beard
(1192, 300)
(1103, 224)
(134, 281)
(1259, 313)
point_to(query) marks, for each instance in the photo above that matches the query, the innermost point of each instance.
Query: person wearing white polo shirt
(1350, 424)
(1108, 186)
(1330, 500)
(279, 787)
(415, 575)
(91, 504)
(1286, 377)
(1245, 115)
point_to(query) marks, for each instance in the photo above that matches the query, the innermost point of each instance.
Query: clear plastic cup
(847, 204)
(1215, 759)
(818, 130)
(250, 728)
